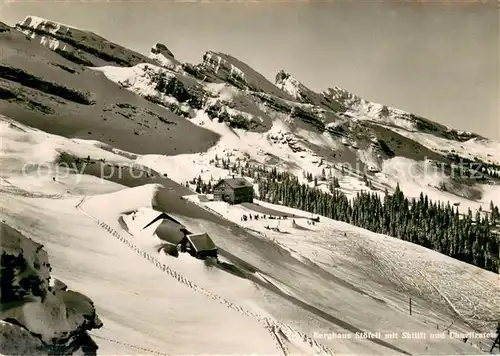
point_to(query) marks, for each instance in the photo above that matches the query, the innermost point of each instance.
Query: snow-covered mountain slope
(475, 149)
(184, 95)
(337, 291)
(279, 148)
(53, 93)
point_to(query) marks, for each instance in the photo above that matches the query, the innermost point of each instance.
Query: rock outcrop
(164, 57)
(38, 311)
(160, 48)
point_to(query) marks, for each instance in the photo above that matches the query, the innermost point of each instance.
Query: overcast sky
(437, 60)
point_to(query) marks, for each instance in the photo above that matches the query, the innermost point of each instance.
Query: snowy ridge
(127, 200)
(82, 47)
(362, 109)
(39, 23)
(215, 61)
(33, 24)
(310, 100)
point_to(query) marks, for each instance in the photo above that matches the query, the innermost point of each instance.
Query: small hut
(198, 245)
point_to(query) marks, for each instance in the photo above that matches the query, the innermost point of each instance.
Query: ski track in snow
(273, 327)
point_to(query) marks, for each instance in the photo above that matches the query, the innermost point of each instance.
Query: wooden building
(198, 245)
(234, 191)
(176, 236)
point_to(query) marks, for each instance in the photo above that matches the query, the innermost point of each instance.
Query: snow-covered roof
(236, 182)
(201, 242)
(170, 231)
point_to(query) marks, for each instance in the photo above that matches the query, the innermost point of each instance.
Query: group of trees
(200, 186)
(434, 225)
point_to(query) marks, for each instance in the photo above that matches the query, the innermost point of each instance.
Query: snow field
(271, 326)
(136, 304)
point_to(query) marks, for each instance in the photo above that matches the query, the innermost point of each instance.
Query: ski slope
(357, 280)
(353, 254)
(137, 303)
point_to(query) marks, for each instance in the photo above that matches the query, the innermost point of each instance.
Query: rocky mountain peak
(163, 56)
(160, 48)
(281, 76)
(286, 82)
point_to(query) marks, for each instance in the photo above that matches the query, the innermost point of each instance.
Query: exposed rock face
(55, 320)
(4, 27)
(15, 340)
